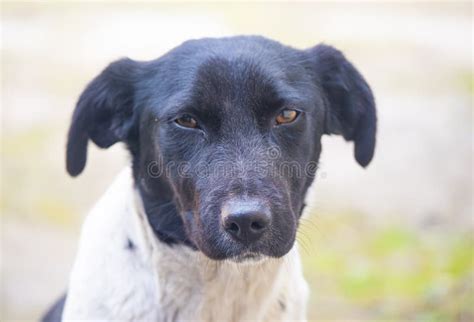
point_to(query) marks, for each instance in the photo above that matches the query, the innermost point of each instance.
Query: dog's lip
(248, 256)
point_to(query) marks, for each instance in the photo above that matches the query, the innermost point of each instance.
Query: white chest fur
(156, 282)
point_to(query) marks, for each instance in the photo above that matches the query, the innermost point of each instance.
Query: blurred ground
(392, 242)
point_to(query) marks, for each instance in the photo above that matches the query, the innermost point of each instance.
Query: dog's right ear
(104, 112)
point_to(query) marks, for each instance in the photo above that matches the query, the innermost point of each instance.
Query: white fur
(157, 282)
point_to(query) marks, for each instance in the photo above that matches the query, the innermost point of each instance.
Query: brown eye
(187, 121)
(286, 116)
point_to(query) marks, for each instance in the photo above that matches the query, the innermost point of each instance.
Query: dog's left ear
(350, 105)
(104, 113)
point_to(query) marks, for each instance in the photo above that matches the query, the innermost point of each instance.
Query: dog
(224, 136)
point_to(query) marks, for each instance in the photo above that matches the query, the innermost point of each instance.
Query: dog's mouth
(248, 257)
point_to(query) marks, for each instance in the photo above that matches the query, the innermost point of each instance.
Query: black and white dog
(224, 136)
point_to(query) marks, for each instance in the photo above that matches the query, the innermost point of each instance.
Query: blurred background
(391, 242)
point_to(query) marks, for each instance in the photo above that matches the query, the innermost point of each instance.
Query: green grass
(387, 273)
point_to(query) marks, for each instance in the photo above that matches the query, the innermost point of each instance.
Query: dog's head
(225, 136)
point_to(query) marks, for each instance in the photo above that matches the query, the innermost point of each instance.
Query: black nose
(246, 220)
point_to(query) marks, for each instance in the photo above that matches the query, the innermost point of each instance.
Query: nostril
(257, 226)
(233, 227)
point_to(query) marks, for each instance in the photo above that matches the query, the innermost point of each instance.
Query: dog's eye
(187, 121)
(286, 116)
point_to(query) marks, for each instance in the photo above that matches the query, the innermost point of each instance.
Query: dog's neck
(219, 291)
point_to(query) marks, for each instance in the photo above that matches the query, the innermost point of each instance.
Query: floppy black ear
(350, 103)
(104, 113)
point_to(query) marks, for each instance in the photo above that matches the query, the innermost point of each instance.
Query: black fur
(234, 87)
(104, 113)
(55, 313)
(130, 245)
(351, 103)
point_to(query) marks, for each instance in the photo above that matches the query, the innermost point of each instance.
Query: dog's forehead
(236, 81)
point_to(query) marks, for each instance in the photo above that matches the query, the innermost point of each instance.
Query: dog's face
(225, 136)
